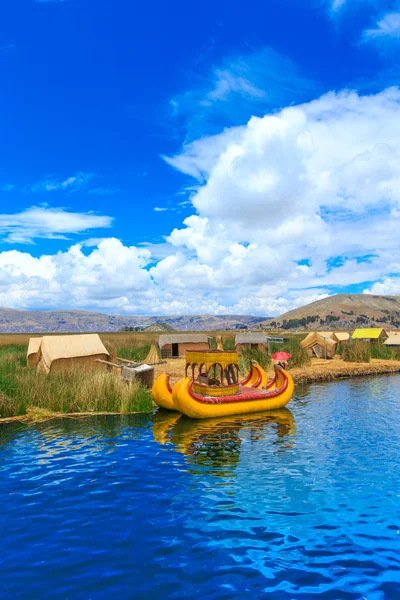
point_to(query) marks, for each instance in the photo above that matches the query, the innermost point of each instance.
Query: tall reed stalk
(71, 391)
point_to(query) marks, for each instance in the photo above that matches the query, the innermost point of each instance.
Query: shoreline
(330, 370)
(318, 372)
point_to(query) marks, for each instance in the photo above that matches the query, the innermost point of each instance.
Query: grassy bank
(76, 391)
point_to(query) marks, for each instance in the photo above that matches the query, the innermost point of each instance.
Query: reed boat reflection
(214, 444)
(163, 423)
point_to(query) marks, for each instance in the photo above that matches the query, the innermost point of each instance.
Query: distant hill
(159, 327)
(343, 311)
(70, 321)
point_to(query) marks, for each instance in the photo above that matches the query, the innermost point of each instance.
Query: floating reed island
(33, 386)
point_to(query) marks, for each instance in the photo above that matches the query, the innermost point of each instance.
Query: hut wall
(66, 364)
(166, 351)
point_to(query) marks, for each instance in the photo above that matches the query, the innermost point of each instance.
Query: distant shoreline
(331, 370)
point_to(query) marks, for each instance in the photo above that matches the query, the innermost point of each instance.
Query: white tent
(62, 352)
(33, 354)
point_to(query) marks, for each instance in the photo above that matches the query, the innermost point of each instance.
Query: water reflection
(213, 445)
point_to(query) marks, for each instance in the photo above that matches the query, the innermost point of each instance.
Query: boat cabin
(213, 372)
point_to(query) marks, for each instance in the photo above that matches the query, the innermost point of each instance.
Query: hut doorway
(175, 350)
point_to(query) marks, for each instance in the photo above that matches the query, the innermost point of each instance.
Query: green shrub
(357, 352)
(381, 351)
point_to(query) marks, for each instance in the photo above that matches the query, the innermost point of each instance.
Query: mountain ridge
(341, 311)
(75, 321)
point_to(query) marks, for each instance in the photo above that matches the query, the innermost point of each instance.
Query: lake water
(295, 504)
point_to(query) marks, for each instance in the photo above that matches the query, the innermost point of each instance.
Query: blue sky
(171, 158)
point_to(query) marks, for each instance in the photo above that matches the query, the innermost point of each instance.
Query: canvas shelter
(174, 345)
(62, 352)
(392, 340)
(33, 354)
(370, 334)
(255, 340)
(317, 345)
(342, 337)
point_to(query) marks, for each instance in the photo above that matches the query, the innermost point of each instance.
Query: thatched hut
(370, 334)
(341, 337)
(33, 354)
(254, 340)
(317, 345)
(174, 345)
(393, 340)
(63, 352)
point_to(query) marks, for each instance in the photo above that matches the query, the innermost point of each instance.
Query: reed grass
(298, 356)
(357, 352)
(246, 355)
(135, 351)
(228, 342)
(75, 391)
(379, 350)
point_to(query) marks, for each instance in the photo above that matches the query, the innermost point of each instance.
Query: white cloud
(9, 187)
(159, 209)
(237, 87)
(52, 184)
(387, 27)
(389, 286)
(45, 222)
(337, 4)
(316, 184)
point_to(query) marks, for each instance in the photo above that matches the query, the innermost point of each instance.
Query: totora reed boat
(211, 387)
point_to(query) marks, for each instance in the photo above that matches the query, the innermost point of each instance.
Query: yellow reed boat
(212, 388)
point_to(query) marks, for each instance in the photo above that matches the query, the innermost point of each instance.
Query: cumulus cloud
(45, 222)
(285, 209)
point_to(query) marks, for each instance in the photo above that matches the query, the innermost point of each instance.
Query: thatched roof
(316, 338)
(64, 347)
(251, 337)
(182, 338)
(369, 333)
(393, 340)
(341, 336)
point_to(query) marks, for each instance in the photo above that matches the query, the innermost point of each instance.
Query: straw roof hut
(317, 345)
(342, 337)
(33, 354)
(251, 340)
(326, 334)
(62, 352)
(392, 340)
(174, 345)
(370, 334)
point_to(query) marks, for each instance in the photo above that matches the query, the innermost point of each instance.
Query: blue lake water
(296, 504)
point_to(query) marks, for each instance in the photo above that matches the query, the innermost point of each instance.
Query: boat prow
(247, 400)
